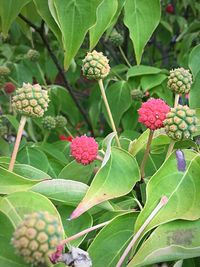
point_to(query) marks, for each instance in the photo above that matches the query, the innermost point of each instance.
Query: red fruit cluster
(9, 87)
(84, 149)
(170, 9)
(152, 113)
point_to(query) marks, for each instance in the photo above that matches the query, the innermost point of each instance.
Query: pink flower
(84, 149)
(152, 113)
(170, 9)
(9, 87)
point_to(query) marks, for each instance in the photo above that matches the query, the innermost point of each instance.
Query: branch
(60, 69)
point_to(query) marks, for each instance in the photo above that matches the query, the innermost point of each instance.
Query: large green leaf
(171, 241)
(194, 60)
(18, 204)
(181, 188)
(76, 171)
(43, 10)
(11, 182)
(142, 70)
(141, 17)
(105, 13)
(75, 226)
(108, 245)
(115, 179)
(7, 257)
(9, 10)
(119, 98)
(194, 93)
(75, 19)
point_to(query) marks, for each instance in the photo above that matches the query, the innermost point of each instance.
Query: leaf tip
(76, 213)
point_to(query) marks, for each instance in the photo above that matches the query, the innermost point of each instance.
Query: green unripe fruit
(33, 55)
(180, 123)
(180, 81)
(49, 123)
(4, 71)
(116, 38)
(37, 237)
(61, 121)
(31, 100)
(137, 94)
(95, 66)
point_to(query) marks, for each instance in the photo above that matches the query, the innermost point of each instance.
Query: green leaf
(150, 81)
(12, 119)
(77, 172)
(81, 16)
(76, 226)
(119, 99)
(108, 245)
(141, 17)
(34, 157)
(194, 93)
(11, 182)
(7, 257)
(171, 241)
(9, 10)
(105, 14)
(194, 60)
(55, 153)
(18, 204)
(142, 70)
(43, 10)
(181, 188)
(121, 167)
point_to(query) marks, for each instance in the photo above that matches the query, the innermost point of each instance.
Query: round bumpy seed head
(9, 88)
(37, 237)
(95, 66)
(180, 123)
(49, 123)
(4, 71)
(152, 113)
(84, 149)
(61, 121)
(31, 100)
(33, 55)
(137, 94)
(116, 38)
(180, 81)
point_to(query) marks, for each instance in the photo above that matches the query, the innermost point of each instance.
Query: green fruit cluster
(137, 94)
(30, 100)
(4, 71)
(180, 123)
(49, 123)
(95, 66)
(37, 237)
(116, 39)
(180, 81)
(61, 121)
(33, 55)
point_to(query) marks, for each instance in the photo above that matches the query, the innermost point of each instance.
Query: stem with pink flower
(146, 154)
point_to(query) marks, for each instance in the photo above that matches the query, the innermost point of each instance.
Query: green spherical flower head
(49, 123)
(61, 121)
(180, 81)
(116, 39)
(95, 66)
(37, 237)
(31, 100)
(33, 55)
(4, 71)
(137, 94)
(180, 123)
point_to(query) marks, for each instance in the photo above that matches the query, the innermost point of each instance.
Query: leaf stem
(176, 100)
(17, 143)
(160, 205)
(68, 132)
(86, 231)
(146, 154)
(100, 82)
(124, 56)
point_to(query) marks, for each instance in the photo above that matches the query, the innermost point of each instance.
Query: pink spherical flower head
(152, 113)
(84, 149)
